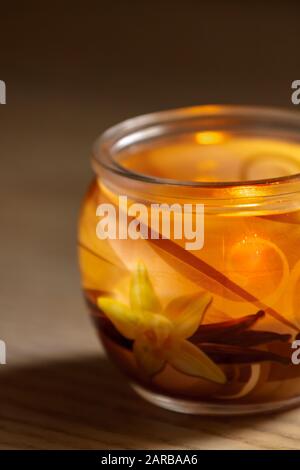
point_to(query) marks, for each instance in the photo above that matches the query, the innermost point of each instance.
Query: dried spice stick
(228, 354)
(214, 332)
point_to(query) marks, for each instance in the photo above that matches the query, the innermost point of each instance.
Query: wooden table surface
(58, 390)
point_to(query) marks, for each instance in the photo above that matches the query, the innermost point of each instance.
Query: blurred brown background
(72, 70)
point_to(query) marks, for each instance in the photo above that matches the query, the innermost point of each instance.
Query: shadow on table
(86, 403)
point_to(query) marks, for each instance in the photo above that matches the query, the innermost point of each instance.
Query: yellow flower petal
(175, 307)
(157, 325)
(190, 360)
(124, 319)
(149, 359)
(142, 294)
(187, 322)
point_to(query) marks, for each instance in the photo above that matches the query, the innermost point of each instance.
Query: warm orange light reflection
(247, 191)
(258, 265)
(209, 137)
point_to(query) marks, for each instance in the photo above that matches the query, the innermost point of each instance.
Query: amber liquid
(249, 266)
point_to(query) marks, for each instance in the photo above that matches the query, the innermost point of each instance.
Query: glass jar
(189, 253)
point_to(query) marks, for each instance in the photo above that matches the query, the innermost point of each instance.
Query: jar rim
(102, 155)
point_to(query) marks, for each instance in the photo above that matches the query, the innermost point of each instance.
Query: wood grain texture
(82, 402)
(58, 390)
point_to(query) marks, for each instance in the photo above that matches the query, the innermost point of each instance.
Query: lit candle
(194, 324)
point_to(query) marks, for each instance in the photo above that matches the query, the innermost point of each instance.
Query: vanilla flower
(160, 336)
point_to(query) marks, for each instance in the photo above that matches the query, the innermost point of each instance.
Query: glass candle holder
(189, 253)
